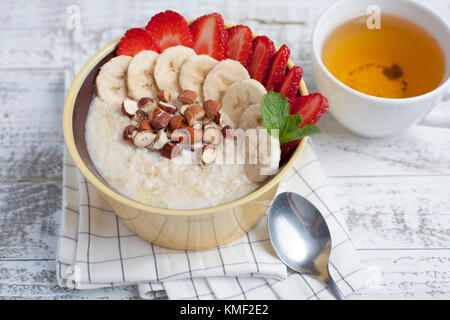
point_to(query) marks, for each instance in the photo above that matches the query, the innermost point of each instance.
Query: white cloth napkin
(96, 250)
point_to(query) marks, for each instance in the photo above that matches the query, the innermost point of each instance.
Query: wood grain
(394, 192)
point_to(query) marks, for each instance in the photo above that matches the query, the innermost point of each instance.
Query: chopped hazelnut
(169, 108)
(187, 96)
(175, 122)
(144, 102)
(170, 150)
(160, 121)
(129, 133)
(194, 113)
(212, 108)
(129, 107)
(163, 95)
(212, 135)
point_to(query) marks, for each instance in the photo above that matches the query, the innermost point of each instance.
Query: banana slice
(240, 95)
(223, 75)
(111, 81)
(251, 118)
(262, 155)
(140, 79)
(168, 67)
(193, 73)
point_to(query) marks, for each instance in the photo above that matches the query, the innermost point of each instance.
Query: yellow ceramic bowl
(176, 229)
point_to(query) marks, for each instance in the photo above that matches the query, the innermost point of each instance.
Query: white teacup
(372, 116)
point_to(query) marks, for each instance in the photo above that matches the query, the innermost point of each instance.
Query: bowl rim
(69, 139)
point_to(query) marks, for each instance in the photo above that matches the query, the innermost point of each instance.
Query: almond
(144, 102)
(129, 133)
(212, 135)
(175, 122)
(144, 139)
(169, 108)
(212, 108)
(187, 96)
(160, 121)
(163, 95)
(194, 113)
(145, 125)
(129, 107)
(170, 150)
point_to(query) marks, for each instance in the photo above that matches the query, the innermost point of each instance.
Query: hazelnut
(212, 135)
(141, 115)
(212, 108)
(175, 122)
(170, 150)
(194, 113)
(153, 112)
(160, 121)
(144, 139)
(145, 125)
(129, 107)
(144, 102)
(129, 133)
(208, 154)
(183, 108)
(160, 140)
(163, 95)
(169, 108)
(187, 96)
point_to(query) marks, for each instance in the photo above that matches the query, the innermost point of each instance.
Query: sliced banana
(223, 75)
(240, 95)
(111, 81)
(251, 118)
(193, 73)
(262, 155)
(140, 79)
(168, 67)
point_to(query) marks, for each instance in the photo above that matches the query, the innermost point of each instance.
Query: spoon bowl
(300, 237)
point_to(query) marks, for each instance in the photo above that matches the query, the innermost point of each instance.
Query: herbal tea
(399, 60)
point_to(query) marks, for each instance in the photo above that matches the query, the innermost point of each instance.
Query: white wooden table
(395, 192)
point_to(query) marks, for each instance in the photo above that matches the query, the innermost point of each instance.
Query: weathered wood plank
(30, 214)
(30, 118)
(37, 280)
(406, 274)
(396, 212)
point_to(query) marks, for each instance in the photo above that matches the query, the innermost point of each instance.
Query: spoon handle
(334, 288)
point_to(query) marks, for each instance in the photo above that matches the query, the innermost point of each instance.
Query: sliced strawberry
(278, 69)
(239, 44)
(312, 107)
(209, 36)
(261, 59)
(134, 41)
(290, 84)
(169, 29)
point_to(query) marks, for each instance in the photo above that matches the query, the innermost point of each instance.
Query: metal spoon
(300, 237)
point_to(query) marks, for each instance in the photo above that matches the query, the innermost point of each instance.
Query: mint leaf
(275, 114)
(298, 133)
(274, 111)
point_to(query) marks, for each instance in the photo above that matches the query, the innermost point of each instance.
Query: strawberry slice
(169, 29)
(278, 69)
(261, 59)
(209, 36)
(134, 41)
(291, 81)
(312, 107)
(239, 44)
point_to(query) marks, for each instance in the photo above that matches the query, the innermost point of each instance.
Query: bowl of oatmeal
(167, 194)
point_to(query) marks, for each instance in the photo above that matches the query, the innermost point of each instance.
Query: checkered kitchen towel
(96, 250)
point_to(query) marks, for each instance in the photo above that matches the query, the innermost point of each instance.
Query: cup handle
(433, 120)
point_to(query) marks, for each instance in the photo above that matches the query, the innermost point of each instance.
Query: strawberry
(239, 44)
(278, 69)
(134, 41)
(169, 29)
(209, 36)
(291, 81)
(312, 107)
(261, 59)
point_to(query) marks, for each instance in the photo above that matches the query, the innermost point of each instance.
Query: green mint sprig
(276, 116)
